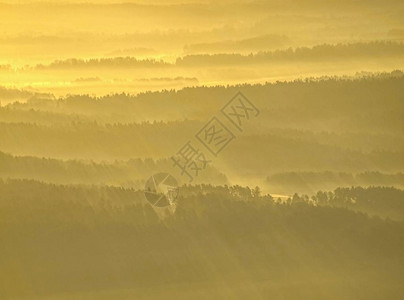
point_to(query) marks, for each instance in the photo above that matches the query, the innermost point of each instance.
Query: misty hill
(368, 103)
(316, 54)
(386, 202)
(132, 173)
(117, 62)
(319, 53)
(104, 246)
(338, 124)
(254, 44)
(309, 182)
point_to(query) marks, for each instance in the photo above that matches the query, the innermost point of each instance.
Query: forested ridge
(113, 239)
(201, 149)
(324, 207)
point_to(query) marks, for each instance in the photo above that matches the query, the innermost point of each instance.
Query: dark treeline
(372, 103)
(252, 153)
(40, 117)
(93, 141)
(342, 125)
(341, 52)
(15, 94)
(366, 141)
(315, 54)
(268, 153)
(309, 182)
(108, 238)
(132, 173)
(118, 62)
(381, 201)
(385, 202)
